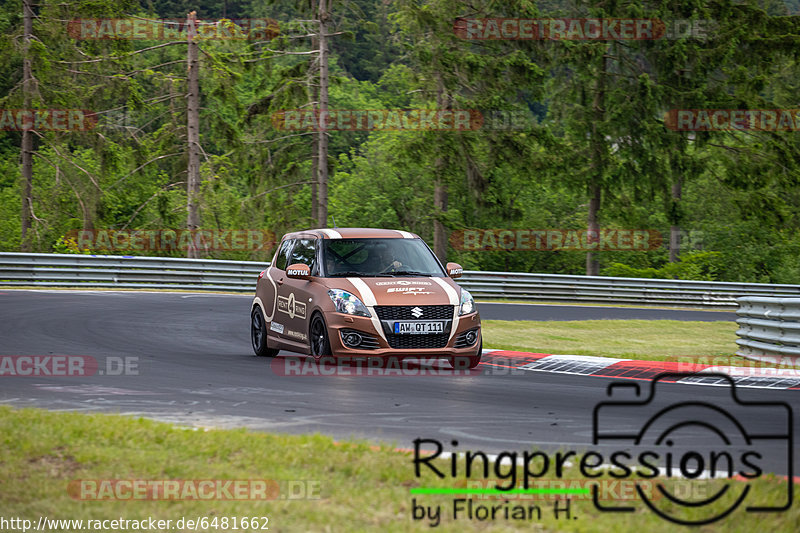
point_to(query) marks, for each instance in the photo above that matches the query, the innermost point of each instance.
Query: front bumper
(385, 344)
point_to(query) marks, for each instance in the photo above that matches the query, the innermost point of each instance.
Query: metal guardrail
(114, 271)
(769, 328)
(601, 289)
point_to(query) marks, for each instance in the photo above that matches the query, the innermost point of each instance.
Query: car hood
(400, 291)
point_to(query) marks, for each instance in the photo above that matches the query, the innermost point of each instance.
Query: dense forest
(575, 134)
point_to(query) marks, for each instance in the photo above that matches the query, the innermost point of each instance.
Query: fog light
(352, 339)
(471, 337)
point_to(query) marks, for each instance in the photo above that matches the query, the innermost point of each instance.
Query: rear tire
(258, 334)
(467, 362)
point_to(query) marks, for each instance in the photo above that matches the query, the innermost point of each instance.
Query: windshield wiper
(346, 273)
(409, 273)
(359, 274)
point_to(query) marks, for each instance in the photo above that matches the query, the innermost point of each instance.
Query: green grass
(653, 340)
(362, 488)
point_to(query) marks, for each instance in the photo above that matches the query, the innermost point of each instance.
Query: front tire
(467, 362)
(318, 337)
(258, 334)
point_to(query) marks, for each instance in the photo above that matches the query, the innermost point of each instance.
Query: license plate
(417, 328)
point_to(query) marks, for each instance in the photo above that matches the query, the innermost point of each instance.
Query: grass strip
(358, 487)
(648, 340)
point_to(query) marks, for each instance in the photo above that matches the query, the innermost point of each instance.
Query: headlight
(347, 303)
(467, 303)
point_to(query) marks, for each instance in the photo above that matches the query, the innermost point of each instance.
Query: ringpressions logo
(691, 462)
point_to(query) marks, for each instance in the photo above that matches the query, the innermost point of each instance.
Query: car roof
(351, 233)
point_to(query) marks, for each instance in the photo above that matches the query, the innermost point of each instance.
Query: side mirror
(298, 271)
(454, 270)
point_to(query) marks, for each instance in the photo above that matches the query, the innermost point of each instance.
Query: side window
(305, 252)
(282, 259)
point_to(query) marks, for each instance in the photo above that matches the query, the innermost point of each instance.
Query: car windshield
(379, 257)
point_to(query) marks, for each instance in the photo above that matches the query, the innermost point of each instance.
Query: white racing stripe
(405, 234)
(257, 301)
(274, 300)
(605, 361)
(454, 301)
(368, 298)
(332, 234)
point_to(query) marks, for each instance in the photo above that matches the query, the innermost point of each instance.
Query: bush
(697, 265)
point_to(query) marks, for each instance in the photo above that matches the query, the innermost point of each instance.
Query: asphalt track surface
(194, 365)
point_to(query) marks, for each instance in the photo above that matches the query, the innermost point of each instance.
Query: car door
(269, 285)
(295, 297)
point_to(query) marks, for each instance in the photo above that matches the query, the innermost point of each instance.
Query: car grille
(411, 342)
(368, 342)
(403, 312)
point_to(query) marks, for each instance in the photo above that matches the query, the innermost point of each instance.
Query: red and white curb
(608, 367)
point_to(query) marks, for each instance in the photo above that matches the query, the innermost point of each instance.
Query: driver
(384, 261)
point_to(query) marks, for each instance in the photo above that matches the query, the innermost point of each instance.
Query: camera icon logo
(712, 446)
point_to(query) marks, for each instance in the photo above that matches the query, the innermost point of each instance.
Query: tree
(454, 73)
(322, 136)
(192, 131)
(590, 109)
(27, 135)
